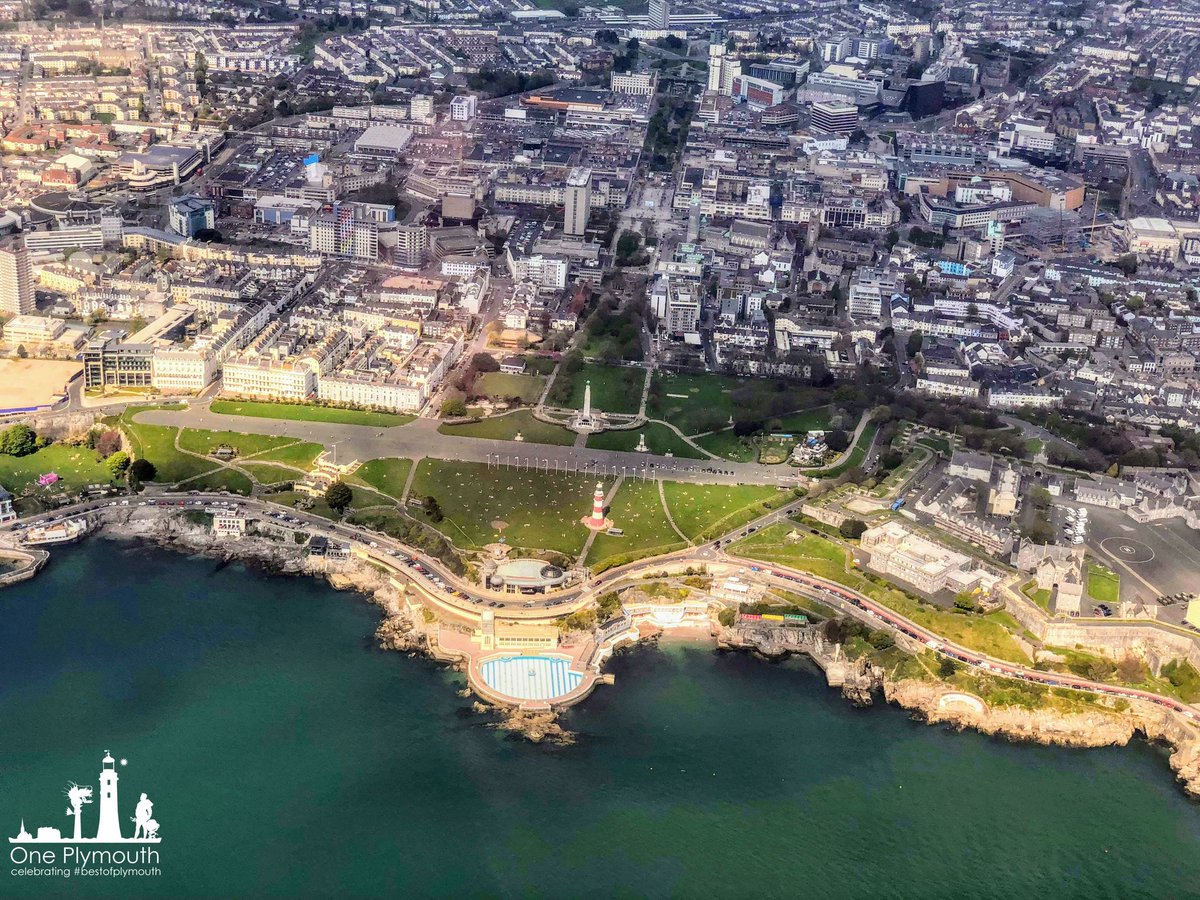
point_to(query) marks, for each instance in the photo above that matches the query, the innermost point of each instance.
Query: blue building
(191, 214)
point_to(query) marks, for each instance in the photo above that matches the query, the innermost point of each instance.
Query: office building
(463, 108)
(577, 202)
(835, 118)
(412, 245)
(191, 214)
(16, 279)
(338, 231)
(660, 14)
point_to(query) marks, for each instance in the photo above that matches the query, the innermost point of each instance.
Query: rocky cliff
(1103, 727)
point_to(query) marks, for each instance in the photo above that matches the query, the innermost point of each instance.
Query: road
(864, 609)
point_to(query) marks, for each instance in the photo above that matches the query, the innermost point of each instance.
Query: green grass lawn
(157, 444)
(222, 480)
(541, 510)
(1040, 596)
(991, 634)
(505, 428)
(205, 442)
(689, 401)
(388, 476)
(265, 473)
(636, 510)
(807, 420)
(77, 467)
(305, 412)
(539, 365)
(937, 444)
(728, 445)
(502, 386)
(300, 454)
(659, 439)
(1103, 585)
(704, 511)
(615, 389)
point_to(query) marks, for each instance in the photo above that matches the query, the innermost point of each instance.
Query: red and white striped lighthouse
(596, 520)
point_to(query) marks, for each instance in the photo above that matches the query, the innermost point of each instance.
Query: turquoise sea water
(286, 757)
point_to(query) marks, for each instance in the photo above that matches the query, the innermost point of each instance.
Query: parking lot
(1161, 558)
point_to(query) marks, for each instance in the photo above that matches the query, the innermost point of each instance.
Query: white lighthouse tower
(110, 822)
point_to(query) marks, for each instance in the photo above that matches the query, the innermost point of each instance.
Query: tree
(837, 440)
(852, 529)
(453, 408)
(727, 617)
(338, 496)
(484, 362)
(19, 440)
(117, 463)
(916, 341)
(893, 238)
(142, 470)
(107, 442)
(628, 244)
(964, 601)
(432, 508)
(22, 352)
(947, 667)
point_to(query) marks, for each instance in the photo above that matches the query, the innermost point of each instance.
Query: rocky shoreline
(860, 682)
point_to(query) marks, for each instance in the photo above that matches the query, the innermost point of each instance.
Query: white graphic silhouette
(108, 830)
(144, 816)
(78, 796)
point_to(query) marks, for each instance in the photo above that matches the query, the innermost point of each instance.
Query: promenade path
(421, 438)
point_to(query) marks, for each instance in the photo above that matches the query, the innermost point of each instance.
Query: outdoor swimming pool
(530, 677)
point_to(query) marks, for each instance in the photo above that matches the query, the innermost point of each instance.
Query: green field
(222, 480)
(265, 473)
(539, 365)
(77, 467)
(700, 402)
(245, 445)
(505, 428)
(991, 634)
(807, 420)
(304, 412)
(615, 389)
(388, 476)
(937, 444)
(157, 444)
(728, 445)
(501, 386)
(636, 510)
(659, 439)
(1040, 596)
(1103, 585)
(299, 454)
(540, 510)
(704, 511)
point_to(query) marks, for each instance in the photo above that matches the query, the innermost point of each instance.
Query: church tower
(110, 822)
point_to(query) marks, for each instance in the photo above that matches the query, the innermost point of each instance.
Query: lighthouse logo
(144, 829)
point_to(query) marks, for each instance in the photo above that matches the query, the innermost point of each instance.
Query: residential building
(16, 279)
